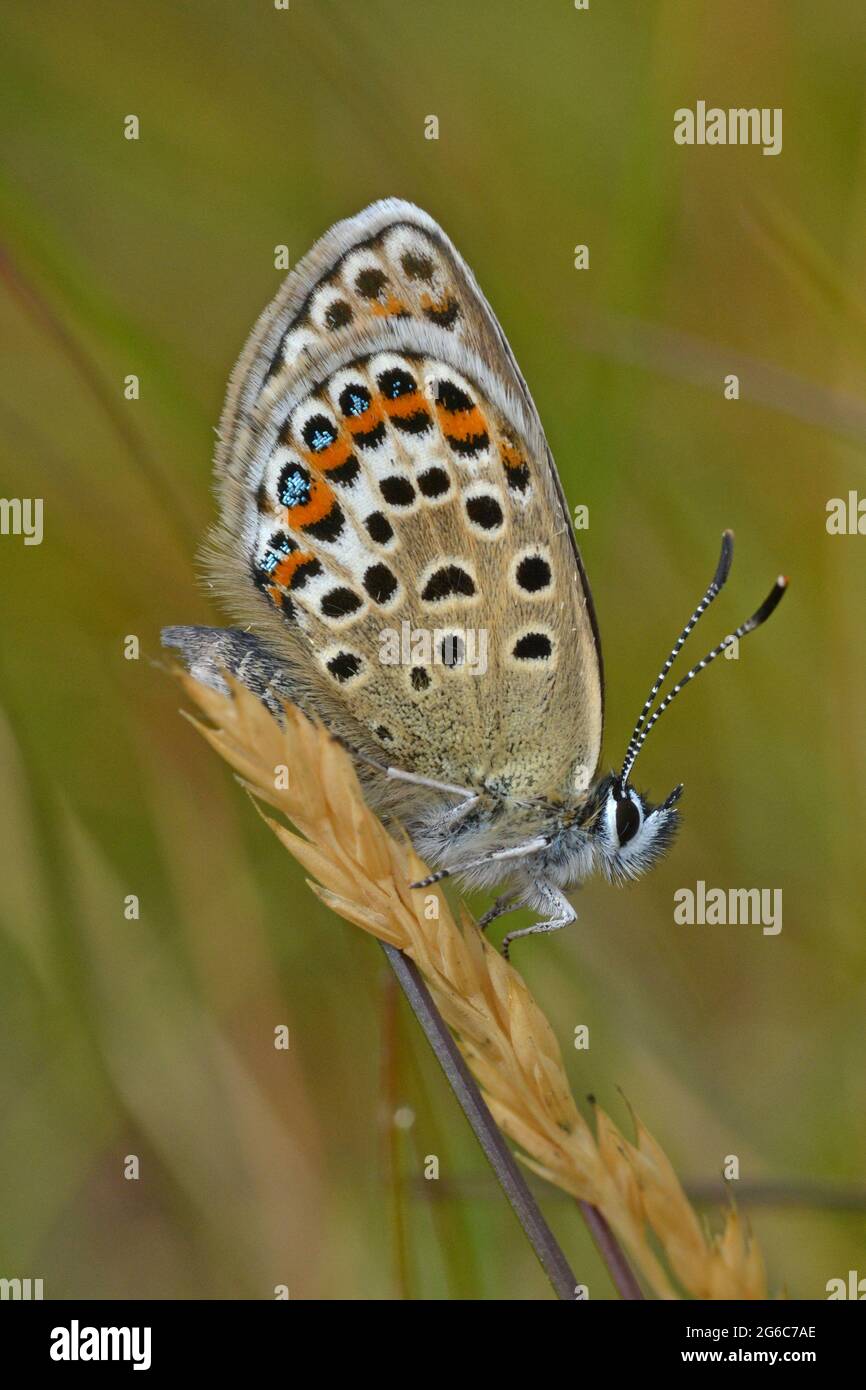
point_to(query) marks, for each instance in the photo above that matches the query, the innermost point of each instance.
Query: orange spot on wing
(437, 306)
(392, 305)
(334, 456)
(320, 502)
(404, 406)
(366, 422)
(461, 424)
(511, 457)
(287, 568)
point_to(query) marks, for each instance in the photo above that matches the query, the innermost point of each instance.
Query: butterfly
(395, 545)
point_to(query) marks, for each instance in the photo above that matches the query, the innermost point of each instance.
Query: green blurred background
(155, 1037)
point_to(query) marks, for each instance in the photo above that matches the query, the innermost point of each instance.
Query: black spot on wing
(443, 315)
(533, 646)
(484, 511)
(379, 528)
(433, 482)
(533, 574)
(340, 602)
(450, 581)
(354, 399)
(452, 397)
(293, 485)
(319, 433)
(344, 665)
(395, 382)
(370, 282)
(417, 266)
(397, 491)
(380, 583)
(518, 477)
(419, 678)
(338, 314)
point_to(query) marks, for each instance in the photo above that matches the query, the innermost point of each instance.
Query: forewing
(392, 522)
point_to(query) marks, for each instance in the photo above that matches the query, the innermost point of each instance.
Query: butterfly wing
(392, 524)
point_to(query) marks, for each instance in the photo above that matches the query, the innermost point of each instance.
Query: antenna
(643, 725)
(723, 569)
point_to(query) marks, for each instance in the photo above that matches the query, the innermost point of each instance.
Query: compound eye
(628, 819)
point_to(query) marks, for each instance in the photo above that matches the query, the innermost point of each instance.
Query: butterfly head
(631, 834)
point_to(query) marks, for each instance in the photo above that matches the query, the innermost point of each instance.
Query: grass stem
(486, 1131)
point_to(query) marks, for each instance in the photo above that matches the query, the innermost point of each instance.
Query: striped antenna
(723, 569)
(760, 616)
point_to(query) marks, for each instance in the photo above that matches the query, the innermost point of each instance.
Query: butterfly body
(395, 544)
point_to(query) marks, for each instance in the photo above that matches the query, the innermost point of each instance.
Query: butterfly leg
(458, 812)
(396, 774)
(514, 852)
(502, 905)
(469, 797)
(528, 847)
(556, 903)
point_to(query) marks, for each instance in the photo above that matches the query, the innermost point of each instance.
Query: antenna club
(726, 557)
